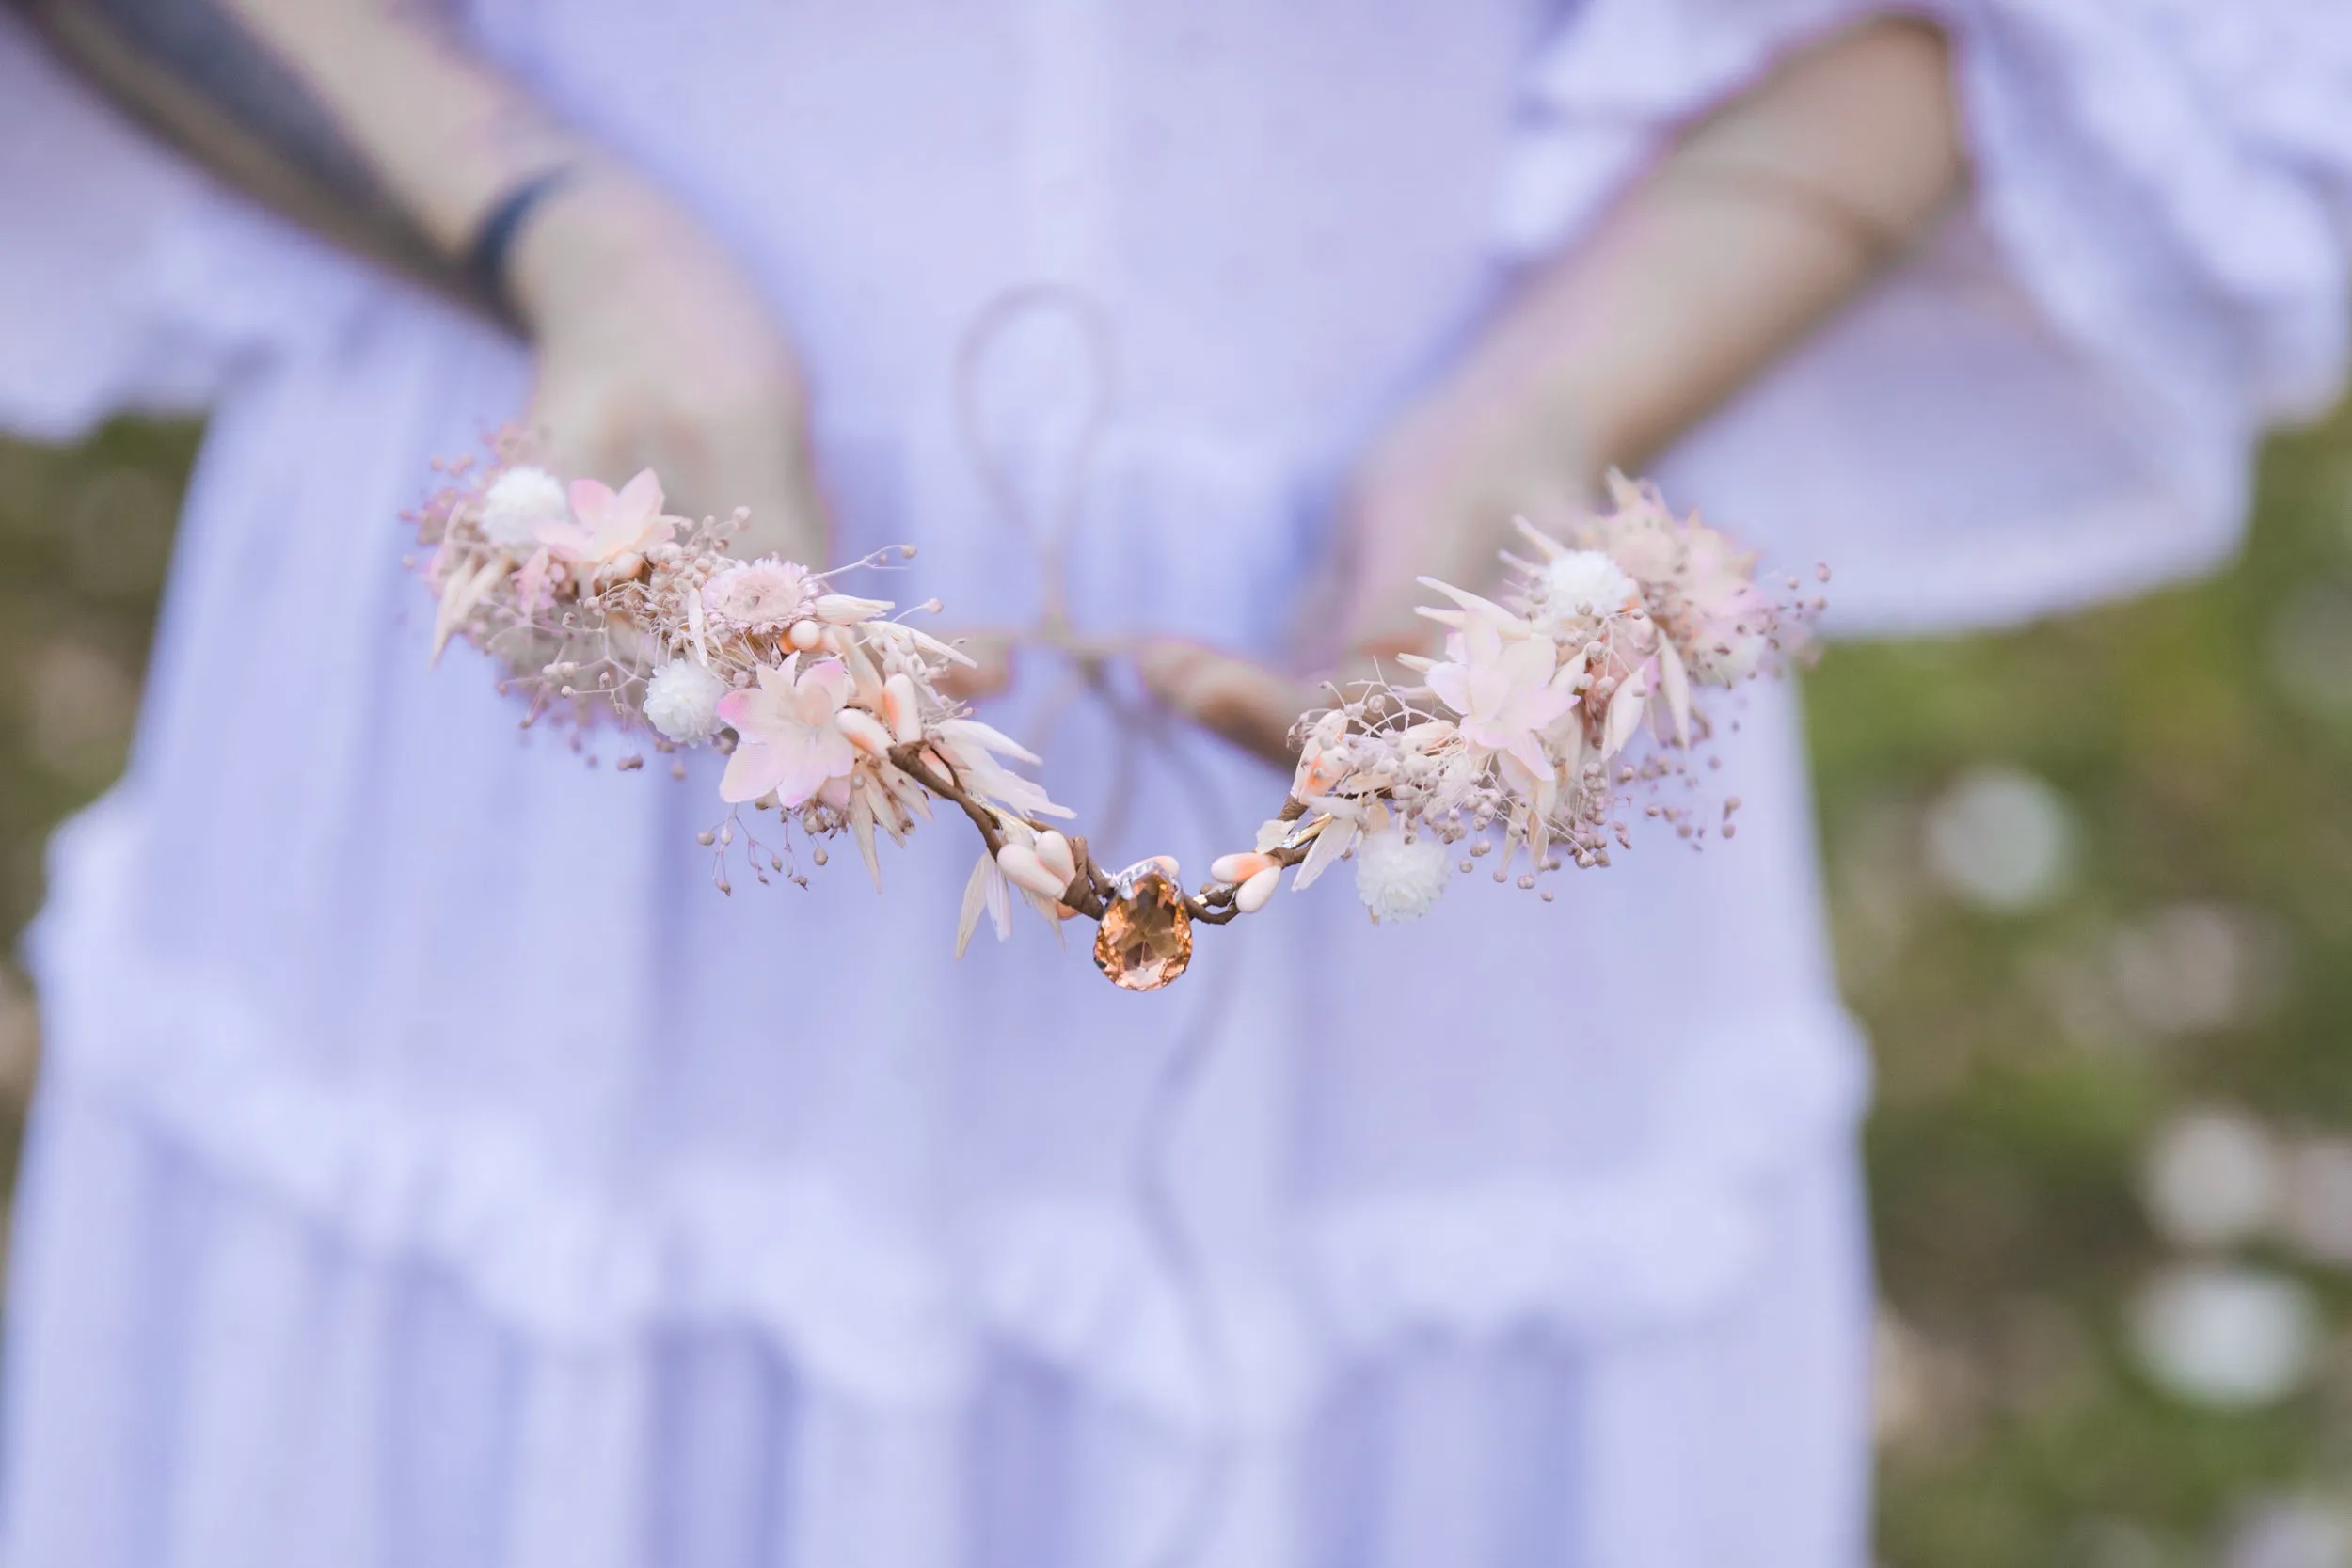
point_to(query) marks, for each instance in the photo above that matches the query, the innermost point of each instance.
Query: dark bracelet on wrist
(494, 240)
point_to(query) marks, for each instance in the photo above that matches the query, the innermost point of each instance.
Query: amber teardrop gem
(1146, 936)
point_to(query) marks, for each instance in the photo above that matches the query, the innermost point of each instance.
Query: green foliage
(2201, 739)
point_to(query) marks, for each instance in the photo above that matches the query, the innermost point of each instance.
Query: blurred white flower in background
(83, 704)
(2212, 1177)
(2226, 1335)
(1920, 1392)
(2317, 1217)
(2289, 1532)
(2001, 839)
(2194, 968)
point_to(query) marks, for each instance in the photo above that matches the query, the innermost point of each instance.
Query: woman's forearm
(1759, 223)
(363, 124)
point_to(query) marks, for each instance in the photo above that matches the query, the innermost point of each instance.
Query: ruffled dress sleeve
(128, 279)
(2058, 397)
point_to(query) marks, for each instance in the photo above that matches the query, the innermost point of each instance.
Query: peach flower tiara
(1555, 716)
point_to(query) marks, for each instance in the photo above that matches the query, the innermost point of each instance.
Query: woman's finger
(1234, 698)
(989, 674)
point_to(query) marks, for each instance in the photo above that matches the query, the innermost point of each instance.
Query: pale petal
(1676, 682)
(988, 739)
(1451, 684)
(862, 826)
(865, 677)
(697, 630)
(565, 541)
(1055, 852)
(1238, 868)
(1482, 643)
(825, 681)
(904, 710)
(925, 641)
(1552, 550)
(1528, 661)
(1537, 709)
(878, 802)
(1329, 845)
(1022, 868)
(464, 591)
(843, 609)
(1489, 689)
(752, 772)
(1504, 621)
(531, 584)
(830, 755)
(864, 730)
(799, 773)
(1625, 717)
(1568, 747)
(975, 901)
(640, 499)
(1529, 753)
(591, 502)
(999, 900)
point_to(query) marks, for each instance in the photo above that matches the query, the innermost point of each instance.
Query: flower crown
(1518, 744)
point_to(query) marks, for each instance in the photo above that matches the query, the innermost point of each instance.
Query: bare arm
(362, 123)
(373, 127)
(1762, 221)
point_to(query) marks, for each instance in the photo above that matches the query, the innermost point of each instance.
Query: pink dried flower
(610, 523)
(1504, 692)
(765, 595)
(787, 741)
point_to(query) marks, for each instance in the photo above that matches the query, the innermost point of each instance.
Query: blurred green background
(2092, 884)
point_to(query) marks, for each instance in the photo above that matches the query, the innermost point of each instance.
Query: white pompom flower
(1399, 879)
(518, 503)
(1580, 583)
(682, 701)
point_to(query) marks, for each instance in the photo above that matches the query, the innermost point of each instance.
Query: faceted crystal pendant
(1146, 936)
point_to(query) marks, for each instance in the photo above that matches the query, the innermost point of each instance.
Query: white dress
(431, 1171)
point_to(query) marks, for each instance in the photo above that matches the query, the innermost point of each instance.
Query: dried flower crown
(1521, 741)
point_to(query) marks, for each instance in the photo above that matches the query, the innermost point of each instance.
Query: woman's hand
(1433, 497)
(1761, 221)
(656, 351)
